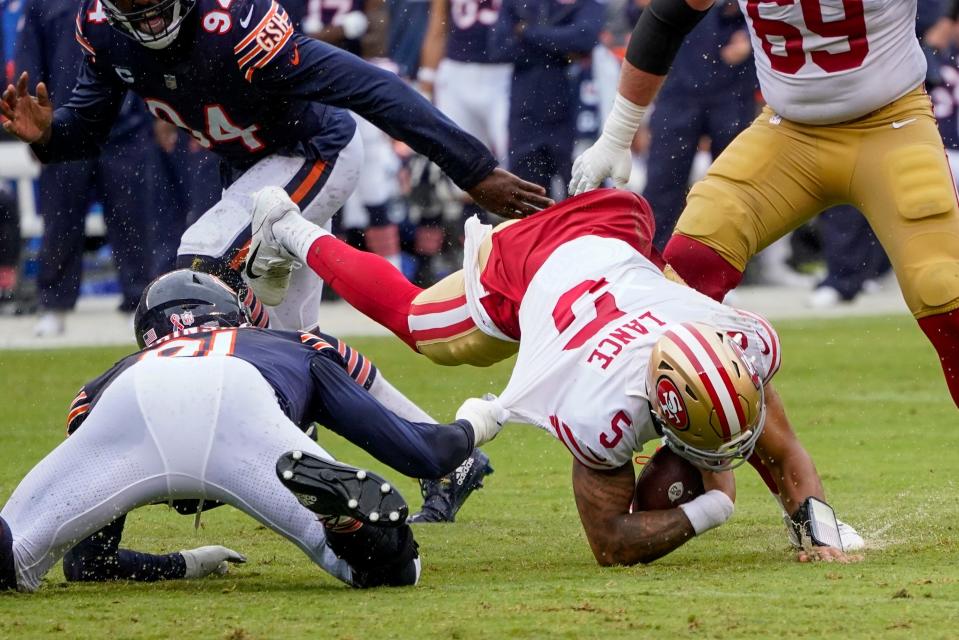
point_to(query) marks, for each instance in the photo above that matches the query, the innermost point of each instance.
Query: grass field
(866, 396)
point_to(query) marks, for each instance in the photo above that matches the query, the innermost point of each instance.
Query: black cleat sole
(335, 489)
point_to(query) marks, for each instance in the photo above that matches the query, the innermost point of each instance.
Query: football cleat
(269, 266)
(333, 489)
(443, 498)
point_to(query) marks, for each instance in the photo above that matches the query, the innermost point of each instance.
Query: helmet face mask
(705, 397)
(183, 299)
(154, 25)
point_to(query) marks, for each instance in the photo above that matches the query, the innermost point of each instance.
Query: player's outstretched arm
(656, 39)
(617, 536)
(27, 117)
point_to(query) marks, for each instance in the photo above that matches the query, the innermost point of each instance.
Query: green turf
(866, 396)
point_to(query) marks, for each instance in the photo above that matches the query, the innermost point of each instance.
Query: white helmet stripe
(716, 380)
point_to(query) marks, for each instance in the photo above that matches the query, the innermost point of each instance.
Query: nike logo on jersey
(899, 124)
(245, 22)
(296, 55)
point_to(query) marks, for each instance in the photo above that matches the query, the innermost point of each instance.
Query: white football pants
(166, 428)
(319, 190)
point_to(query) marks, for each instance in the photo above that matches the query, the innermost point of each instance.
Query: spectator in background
(360, 27)
(118, 178)
(710, 91)
(9, 212)
(407, 20)
(541, 37)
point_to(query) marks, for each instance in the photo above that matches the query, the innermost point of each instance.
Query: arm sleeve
(99, 558)
(299, 67)
(416, 449)
(578, 37)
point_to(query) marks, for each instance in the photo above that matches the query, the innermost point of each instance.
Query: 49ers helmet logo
(671, 404)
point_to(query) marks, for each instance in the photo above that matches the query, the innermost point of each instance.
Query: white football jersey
(828, 61)
(589, 320)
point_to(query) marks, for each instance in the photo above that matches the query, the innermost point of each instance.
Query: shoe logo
(249, 262)
(305, 500)
(246, 21)
(462, 471)
(899, 124)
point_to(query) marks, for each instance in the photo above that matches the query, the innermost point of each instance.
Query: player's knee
(937, 286)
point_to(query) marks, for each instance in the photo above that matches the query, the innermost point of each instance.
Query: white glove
(354, 24)
(487, 417)
(610, 156)
(203, 561)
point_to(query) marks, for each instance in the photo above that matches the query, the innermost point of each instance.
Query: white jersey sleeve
(589, 320)
(829, 61)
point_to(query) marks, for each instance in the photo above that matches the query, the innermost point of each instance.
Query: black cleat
(331, 488)
(443, 498)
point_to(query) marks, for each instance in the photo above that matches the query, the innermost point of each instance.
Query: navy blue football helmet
(182, 299)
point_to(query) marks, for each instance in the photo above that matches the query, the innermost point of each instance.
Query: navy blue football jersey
(470, 22)
(283, 358)
(942, 83)
(245, 85)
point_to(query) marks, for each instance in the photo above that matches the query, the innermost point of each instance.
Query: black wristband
(659, 33)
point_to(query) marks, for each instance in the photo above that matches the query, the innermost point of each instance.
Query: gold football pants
(890, 164)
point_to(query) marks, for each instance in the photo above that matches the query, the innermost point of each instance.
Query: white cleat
(268, 265)
(851, 540)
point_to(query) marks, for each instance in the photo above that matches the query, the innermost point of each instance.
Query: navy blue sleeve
(99, 558)
(84, 122)
(295, 66)
(416, 449)
(580, 36)
(503, 45)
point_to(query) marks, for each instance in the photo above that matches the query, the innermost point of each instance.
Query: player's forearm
(655, 40)
(616, 536)
(785, 457)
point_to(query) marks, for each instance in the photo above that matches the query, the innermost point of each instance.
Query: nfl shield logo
(169, 80)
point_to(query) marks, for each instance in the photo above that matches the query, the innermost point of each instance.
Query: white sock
(391, 398)
(297, 234)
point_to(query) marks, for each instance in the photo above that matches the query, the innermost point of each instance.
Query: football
(666, 481)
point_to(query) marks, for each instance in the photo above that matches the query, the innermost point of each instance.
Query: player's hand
(354, 24)
(27, 117)
(507, 195)
(203, 561)
(487, 415)
(723, 481)
(603, 160)
(827, 554)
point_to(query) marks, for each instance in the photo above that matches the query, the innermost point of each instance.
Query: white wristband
(708, 511)
(623, 122)
(426, 74)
